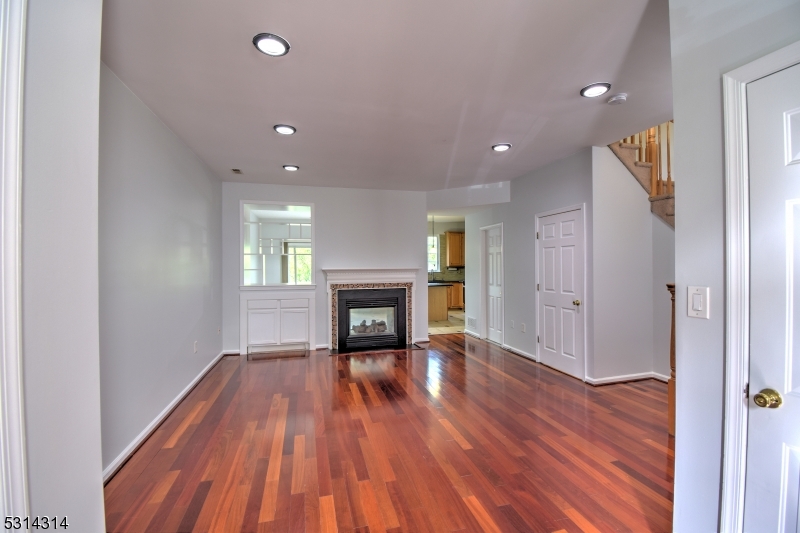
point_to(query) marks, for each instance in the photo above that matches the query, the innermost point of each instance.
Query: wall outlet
(195, 346)
(512, 324)
(523, 327)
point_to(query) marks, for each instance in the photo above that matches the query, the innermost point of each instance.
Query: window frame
(313, 282)
(438, 241)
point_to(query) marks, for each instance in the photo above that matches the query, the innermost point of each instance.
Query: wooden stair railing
(648, 156)
(671, 384)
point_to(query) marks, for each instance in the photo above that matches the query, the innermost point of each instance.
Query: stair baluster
(648, 156)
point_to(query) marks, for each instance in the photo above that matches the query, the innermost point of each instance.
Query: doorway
(560, 282)
(492, 283)
(761, 469)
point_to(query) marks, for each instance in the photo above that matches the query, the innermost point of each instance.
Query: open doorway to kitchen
(446, 271)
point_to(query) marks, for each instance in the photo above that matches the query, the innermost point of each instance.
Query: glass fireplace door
(372, 321)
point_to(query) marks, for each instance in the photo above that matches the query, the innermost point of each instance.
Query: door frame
(484, 286)
(13, 462)
(737, 275)
(538, 217)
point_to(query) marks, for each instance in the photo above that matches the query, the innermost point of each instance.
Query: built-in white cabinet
(276, 320)
(263, 326)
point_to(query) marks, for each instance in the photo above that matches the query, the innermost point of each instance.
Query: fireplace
(371, 318)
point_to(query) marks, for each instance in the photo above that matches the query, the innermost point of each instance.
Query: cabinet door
(262, 326)
(294, 325)
(455, 249)
(462, 248)
(458, 295)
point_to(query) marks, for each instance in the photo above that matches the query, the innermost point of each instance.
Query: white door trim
(484, 302)
(585, 301)
(737, 275)
(13, 464)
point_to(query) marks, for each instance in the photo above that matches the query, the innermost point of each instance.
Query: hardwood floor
(462, 436)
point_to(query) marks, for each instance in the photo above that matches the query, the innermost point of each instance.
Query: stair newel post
(671, 385)
(652, 157)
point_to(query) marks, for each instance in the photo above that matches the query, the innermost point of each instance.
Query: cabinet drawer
(294, 304)
(262, 304)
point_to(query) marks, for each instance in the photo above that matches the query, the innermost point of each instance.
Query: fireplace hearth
(371, 318)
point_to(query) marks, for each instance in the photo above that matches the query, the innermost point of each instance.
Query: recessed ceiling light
(291, 168)
(283, 129)
(502, 147)
(271, 44)
(595, 89)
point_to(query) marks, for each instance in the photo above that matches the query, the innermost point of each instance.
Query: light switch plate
(697, 302)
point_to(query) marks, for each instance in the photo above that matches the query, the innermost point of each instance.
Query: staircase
(648, 156)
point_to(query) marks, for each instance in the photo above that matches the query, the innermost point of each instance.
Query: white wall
(709, 38)
(475, 195)
(563, 183)
(160, 265)
(623, 271)
(663, 273)
(61, 365)
(353, 228)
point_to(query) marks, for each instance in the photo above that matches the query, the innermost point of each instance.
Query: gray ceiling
(394, 94)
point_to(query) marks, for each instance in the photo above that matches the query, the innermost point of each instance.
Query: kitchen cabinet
(455, 295)
(455, 249)
(437, 303)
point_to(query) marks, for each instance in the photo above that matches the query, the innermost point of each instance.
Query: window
(276, 244)
(433, 253)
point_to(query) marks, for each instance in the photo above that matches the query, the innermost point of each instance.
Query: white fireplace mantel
(369, 275)
(347, 276)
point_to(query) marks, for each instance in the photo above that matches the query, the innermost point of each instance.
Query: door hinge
(747, 391)
(537, 286)
(537, 339)
(537, 234)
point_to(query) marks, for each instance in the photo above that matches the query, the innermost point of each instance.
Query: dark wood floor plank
(459, 437)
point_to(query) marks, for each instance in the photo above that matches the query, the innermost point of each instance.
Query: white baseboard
(230, 352)
(423, 339)
(519, 352)
(626, 377)
(322, 346)
(117, 463)
(471, 333)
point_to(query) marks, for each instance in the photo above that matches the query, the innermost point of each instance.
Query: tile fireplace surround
(369, 278)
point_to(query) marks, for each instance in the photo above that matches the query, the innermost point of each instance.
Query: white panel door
(773, 441)
(262, 326)
(494, 285)
(294, 326)
(560, 288)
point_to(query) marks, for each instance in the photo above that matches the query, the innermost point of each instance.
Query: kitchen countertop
(439, 284)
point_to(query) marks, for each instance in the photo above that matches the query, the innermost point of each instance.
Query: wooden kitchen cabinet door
(455, 249)
(456, 299)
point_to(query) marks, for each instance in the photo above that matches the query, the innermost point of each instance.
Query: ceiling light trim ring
(278, 127)
(291, 168)
(501, 147)
(271, 37)
(587, 92)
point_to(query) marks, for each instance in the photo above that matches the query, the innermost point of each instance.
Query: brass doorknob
(768, 398)
(576, 302)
